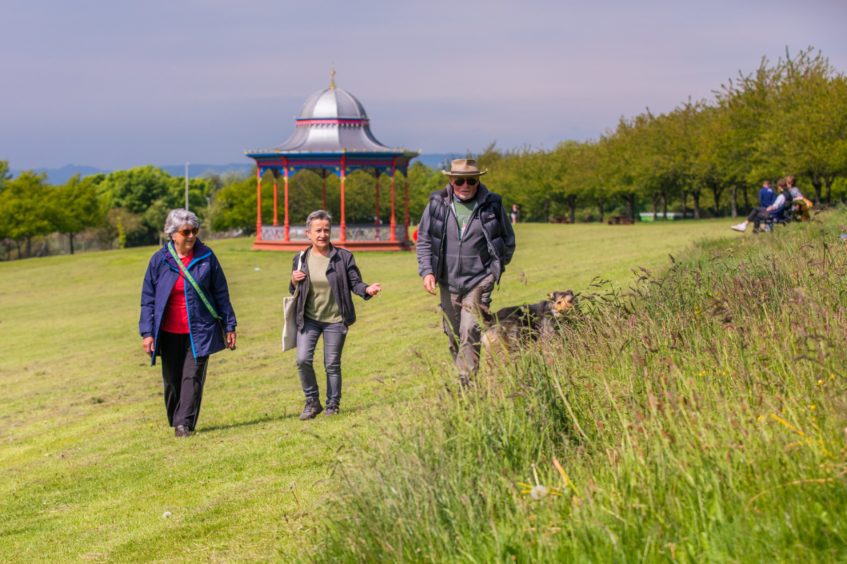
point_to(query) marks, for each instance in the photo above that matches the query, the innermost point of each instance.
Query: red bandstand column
(258, 203)
(343, 238)
(276, 200)
(285, 187)
(393, 222)
(376, 219)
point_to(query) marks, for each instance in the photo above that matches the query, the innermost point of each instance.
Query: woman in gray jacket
(326, 275)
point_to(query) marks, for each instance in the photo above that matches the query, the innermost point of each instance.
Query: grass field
(697, 416)
(92, 472)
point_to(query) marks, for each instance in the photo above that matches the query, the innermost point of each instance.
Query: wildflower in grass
(537, 491)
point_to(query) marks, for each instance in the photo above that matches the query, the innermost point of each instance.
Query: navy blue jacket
(162, 274)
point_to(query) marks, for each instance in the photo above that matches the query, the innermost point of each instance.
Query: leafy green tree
(77, 207)
(26, 206)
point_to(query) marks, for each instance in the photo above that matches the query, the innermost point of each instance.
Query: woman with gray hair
(186, 315)
(326, 275)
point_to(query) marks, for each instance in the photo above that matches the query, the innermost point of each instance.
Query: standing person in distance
(176, 322)
(465, 241)
(327, 275)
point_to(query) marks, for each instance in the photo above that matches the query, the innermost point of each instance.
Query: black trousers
(183, 376)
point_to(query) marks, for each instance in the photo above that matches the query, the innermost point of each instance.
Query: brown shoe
(311, 410)
(332, 409)
(182, 431)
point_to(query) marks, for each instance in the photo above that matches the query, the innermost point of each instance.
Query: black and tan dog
(510, 327)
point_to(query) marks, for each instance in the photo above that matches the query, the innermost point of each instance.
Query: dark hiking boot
(182, 431)
(332, 409)
(313, 407)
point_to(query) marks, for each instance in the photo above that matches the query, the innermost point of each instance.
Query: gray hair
(179, 217)
(318, 214)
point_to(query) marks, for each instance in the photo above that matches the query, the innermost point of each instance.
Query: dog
(509, 328)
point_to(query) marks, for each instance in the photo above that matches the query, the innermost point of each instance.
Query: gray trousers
(307, 339)
(461, 324)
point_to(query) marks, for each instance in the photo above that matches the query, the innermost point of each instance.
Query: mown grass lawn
(91, 470)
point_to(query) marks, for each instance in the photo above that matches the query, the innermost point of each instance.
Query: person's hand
(230, 340)
(429, 283)
(373, 289)
(297, 276)
(147, 344)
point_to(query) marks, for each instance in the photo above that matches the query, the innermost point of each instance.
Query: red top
(176, 316)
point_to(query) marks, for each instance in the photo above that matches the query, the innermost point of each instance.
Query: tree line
(704, 158)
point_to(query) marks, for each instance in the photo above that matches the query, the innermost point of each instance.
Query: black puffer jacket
(496, 228)
(343, 276)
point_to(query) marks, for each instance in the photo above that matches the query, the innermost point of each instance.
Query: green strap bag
(197, 289)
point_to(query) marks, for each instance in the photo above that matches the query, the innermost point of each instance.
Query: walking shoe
(739, 227)
(182, 431)
(332, 409)
(313, 407)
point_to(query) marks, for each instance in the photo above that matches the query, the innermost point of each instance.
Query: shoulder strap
(193, 283)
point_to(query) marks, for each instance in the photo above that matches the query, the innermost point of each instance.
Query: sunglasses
(461, 181)
(187, 232)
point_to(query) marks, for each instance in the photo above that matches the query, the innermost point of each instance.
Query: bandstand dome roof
(332, 103)
(332, 121)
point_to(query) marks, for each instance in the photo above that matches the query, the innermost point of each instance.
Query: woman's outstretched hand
(373, 289)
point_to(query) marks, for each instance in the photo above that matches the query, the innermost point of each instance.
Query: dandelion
(538, 492)
(812, 407)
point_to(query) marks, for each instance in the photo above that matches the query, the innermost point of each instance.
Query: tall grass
(698, 415)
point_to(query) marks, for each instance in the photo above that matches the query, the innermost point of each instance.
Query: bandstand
(333, 136)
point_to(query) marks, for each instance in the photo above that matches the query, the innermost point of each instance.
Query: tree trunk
(746, 193)
(828, 183)
(695, 195)
(18, 245)
(601, 207)
(630, 201)
(684, 203)
(28, 247)
(665, 205)
(816, 183)
(734, 201)
(571, 201)
(718, 192)
(656, 197)
(71, 242)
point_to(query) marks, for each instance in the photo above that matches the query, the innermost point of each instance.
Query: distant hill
(62, 174)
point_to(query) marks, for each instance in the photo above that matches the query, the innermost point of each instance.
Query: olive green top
(463, 211)
(320, 303)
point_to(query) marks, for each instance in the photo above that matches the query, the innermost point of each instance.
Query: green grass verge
(89, 466)
(697, 416)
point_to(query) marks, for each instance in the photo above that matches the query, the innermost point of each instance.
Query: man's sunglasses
(187, 232)
(461, 181)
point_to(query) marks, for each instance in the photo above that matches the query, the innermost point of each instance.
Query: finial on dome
(332, 78)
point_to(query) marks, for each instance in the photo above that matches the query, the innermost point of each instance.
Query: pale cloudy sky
(118, 83)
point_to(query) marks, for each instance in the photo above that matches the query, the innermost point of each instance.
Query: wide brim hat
(463, 167)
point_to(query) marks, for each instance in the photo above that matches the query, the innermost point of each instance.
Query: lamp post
(186, 186)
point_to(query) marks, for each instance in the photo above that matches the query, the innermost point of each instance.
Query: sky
(115, 84)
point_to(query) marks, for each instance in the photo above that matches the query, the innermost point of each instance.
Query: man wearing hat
(465, 241)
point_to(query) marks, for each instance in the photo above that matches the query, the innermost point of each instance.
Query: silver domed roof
(332, 103)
